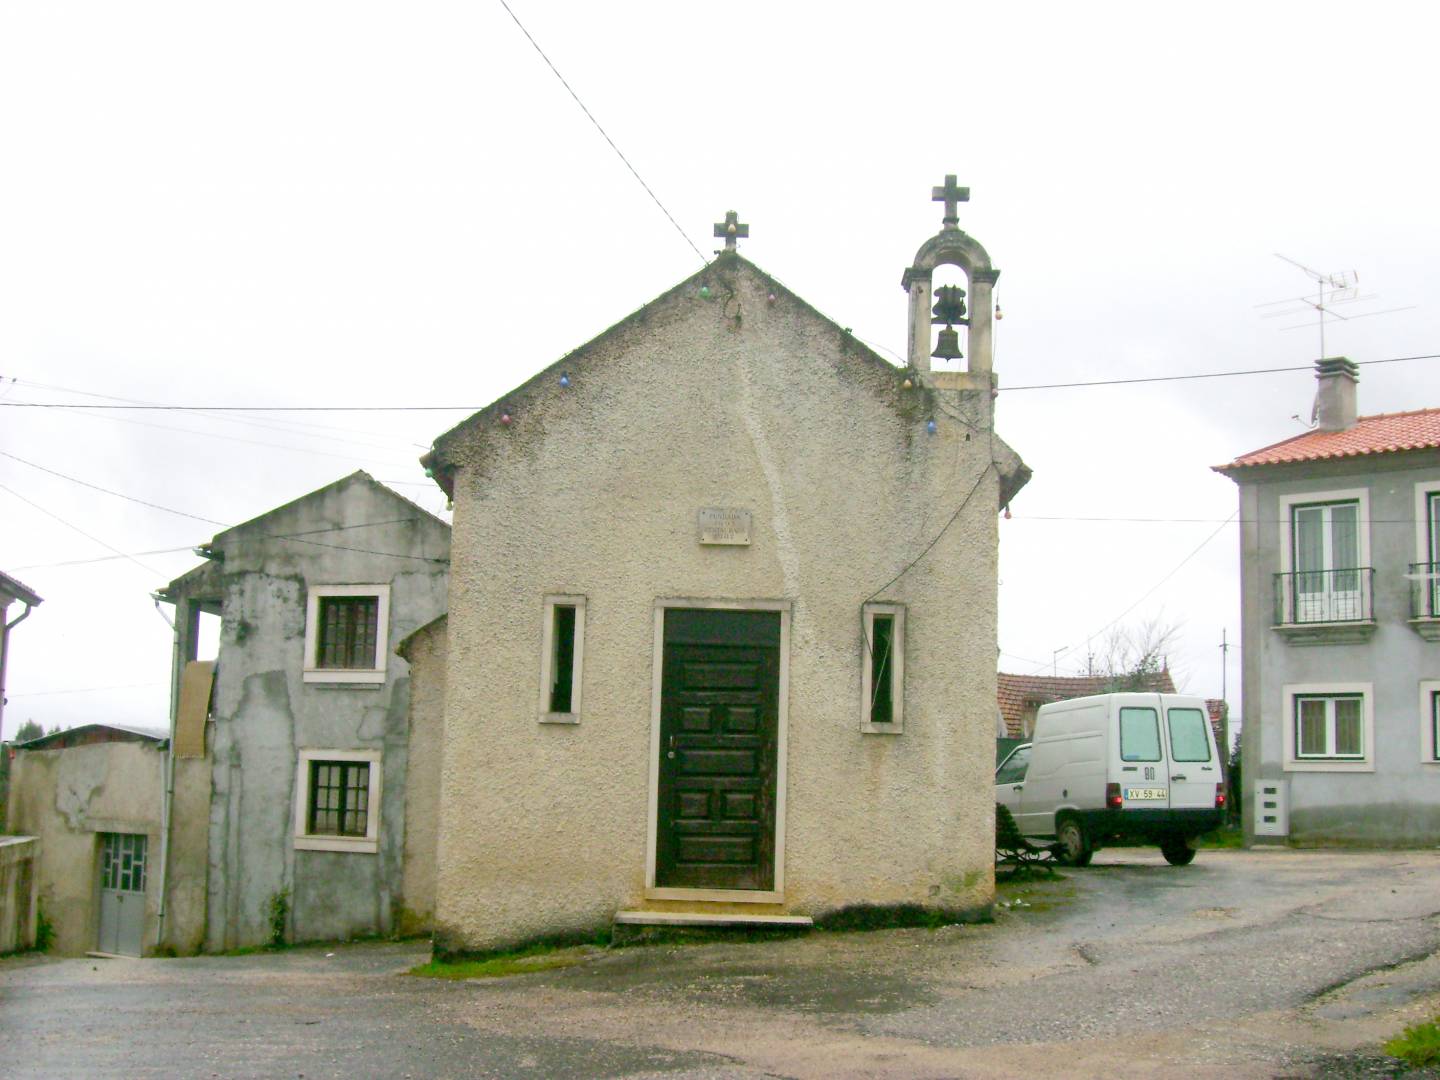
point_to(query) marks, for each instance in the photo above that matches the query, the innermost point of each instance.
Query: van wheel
(1178, 850)
(1075, 846)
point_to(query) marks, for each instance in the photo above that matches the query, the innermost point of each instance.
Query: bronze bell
(947, 345)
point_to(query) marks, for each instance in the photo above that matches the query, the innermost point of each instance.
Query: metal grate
(347, 631)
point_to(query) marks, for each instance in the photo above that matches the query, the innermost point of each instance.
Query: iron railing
(1324, 596)
(1424, 590)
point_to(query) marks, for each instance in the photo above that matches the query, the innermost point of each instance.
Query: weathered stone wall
(19, 891)
(265, 712)
(735, 400)
(426, 652)
(65, 798)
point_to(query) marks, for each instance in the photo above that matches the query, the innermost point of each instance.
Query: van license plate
(1140, 793)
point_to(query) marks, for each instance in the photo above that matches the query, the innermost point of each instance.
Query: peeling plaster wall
(65, 798)
(426, 652)
(264, 712)
(1398, 804)
(733, 401)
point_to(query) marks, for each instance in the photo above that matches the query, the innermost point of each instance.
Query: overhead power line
(117, 494)
(603, 134)
(82, 532)
(478, 408)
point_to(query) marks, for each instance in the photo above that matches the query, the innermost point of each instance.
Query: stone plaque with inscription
(719, 525)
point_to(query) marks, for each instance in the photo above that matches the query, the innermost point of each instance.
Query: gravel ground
(1264, 964)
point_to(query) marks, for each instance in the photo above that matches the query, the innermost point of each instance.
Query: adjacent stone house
(290, 754)
(91, 796)
(1340, 547)
(722, 619)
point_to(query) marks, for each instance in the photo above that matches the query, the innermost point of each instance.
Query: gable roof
(1016, 693)
(358, 476)
(1383, 433)
(531, 394)
(90, 734)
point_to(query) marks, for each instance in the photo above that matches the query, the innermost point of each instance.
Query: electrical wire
(478, 408)
(82, 532)
(107, 491)
(943, 530)
(683, 235)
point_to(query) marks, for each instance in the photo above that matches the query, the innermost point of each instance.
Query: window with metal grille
(122, 863)
(347, 631)
(339, 798)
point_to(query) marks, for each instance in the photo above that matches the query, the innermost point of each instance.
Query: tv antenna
(1331, 292)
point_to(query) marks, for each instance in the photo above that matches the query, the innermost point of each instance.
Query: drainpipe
(167, 792)
(5, 653)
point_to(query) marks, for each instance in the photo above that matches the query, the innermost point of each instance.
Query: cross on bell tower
(732, 229)
(950, 194)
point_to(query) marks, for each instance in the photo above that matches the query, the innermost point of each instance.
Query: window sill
(559, 718)
(1329, 765)
(1328, 633)
(344, 676)
(725, 896)
(882, 729)
(1429, 629)
(358, 844)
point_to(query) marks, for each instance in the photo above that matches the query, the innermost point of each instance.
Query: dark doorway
(719, 714)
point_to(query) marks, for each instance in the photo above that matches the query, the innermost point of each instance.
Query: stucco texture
(264, 711)
(747, 399)
(65, 798)
(426, 650)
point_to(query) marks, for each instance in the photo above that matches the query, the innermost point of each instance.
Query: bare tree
(1132, 656)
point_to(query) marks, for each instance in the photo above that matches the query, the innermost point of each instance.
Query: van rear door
(1144, 775)
(1194, 765)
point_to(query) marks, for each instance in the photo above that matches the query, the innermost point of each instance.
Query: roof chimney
(1335, 393)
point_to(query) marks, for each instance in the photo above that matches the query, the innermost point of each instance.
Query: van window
(1013, 771)
(1188, 741)
(1139, 735)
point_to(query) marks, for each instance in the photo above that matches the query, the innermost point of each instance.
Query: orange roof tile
(1017, 692)
(1383, 433)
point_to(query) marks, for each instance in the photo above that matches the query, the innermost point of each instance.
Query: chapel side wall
(265, 713)
(596, 495)
(426, 652)
(1397, 804)
(184, 927)
(66, 798)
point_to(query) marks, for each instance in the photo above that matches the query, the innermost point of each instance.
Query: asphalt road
(1265, 964)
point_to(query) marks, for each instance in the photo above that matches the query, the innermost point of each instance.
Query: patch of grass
(890, 916)
(519, 962)
(1227, 836)
(1418, 1046)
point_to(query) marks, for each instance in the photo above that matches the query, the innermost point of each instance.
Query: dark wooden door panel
(719, 696)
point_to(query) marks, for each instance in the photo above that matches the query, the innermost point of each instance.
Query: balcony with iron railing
(1325, 606)
(1425, 599)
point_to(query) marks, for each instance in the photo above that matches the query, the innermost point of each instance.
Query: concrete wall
(731, 401)
(19, 891)
(65, 798)
(426, 651)
(1399, 802)
(264, 711)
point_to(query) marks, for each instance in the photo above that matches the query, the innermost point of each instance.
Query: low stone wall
(17, 892)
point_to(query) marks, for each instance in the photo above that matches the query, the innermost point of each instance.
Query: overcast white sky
(360, 204)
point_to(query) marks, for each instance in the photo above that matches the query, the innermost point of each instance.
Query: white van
(1116, 767)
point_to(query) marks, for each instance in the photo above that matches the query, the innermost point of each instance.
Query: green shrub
(44, 928)
(1419, 1046)
(279, 917)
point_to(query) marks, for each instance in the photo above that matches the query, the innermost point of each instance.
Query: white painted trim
(782, 726)
(1428, 706)
(314, 674)
(1367, 717)
(1309, 498)
(707, 918)
(369, 843)
(897, 668)
(1423, 491)
(547, 649)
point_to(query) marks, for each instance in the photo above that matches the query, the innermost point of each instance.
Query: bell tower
(947, 305)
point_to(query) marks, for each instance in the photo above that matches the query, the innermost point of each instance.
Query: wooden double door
(719, 719)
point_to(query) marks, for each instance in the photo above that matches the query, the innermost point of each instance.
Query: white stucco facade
(586, 483)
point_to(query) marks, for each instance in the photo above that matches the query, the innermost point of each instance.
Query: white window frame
(547, 657)
(1288, 503)
(897, 668)
(1427, 548)
(1429, 720)
(313, 673)
(1294, 763)
(305, 841)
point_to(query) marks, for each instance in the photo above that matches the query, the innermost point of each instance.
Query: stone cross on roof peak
(731, 229)
(950, 194)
